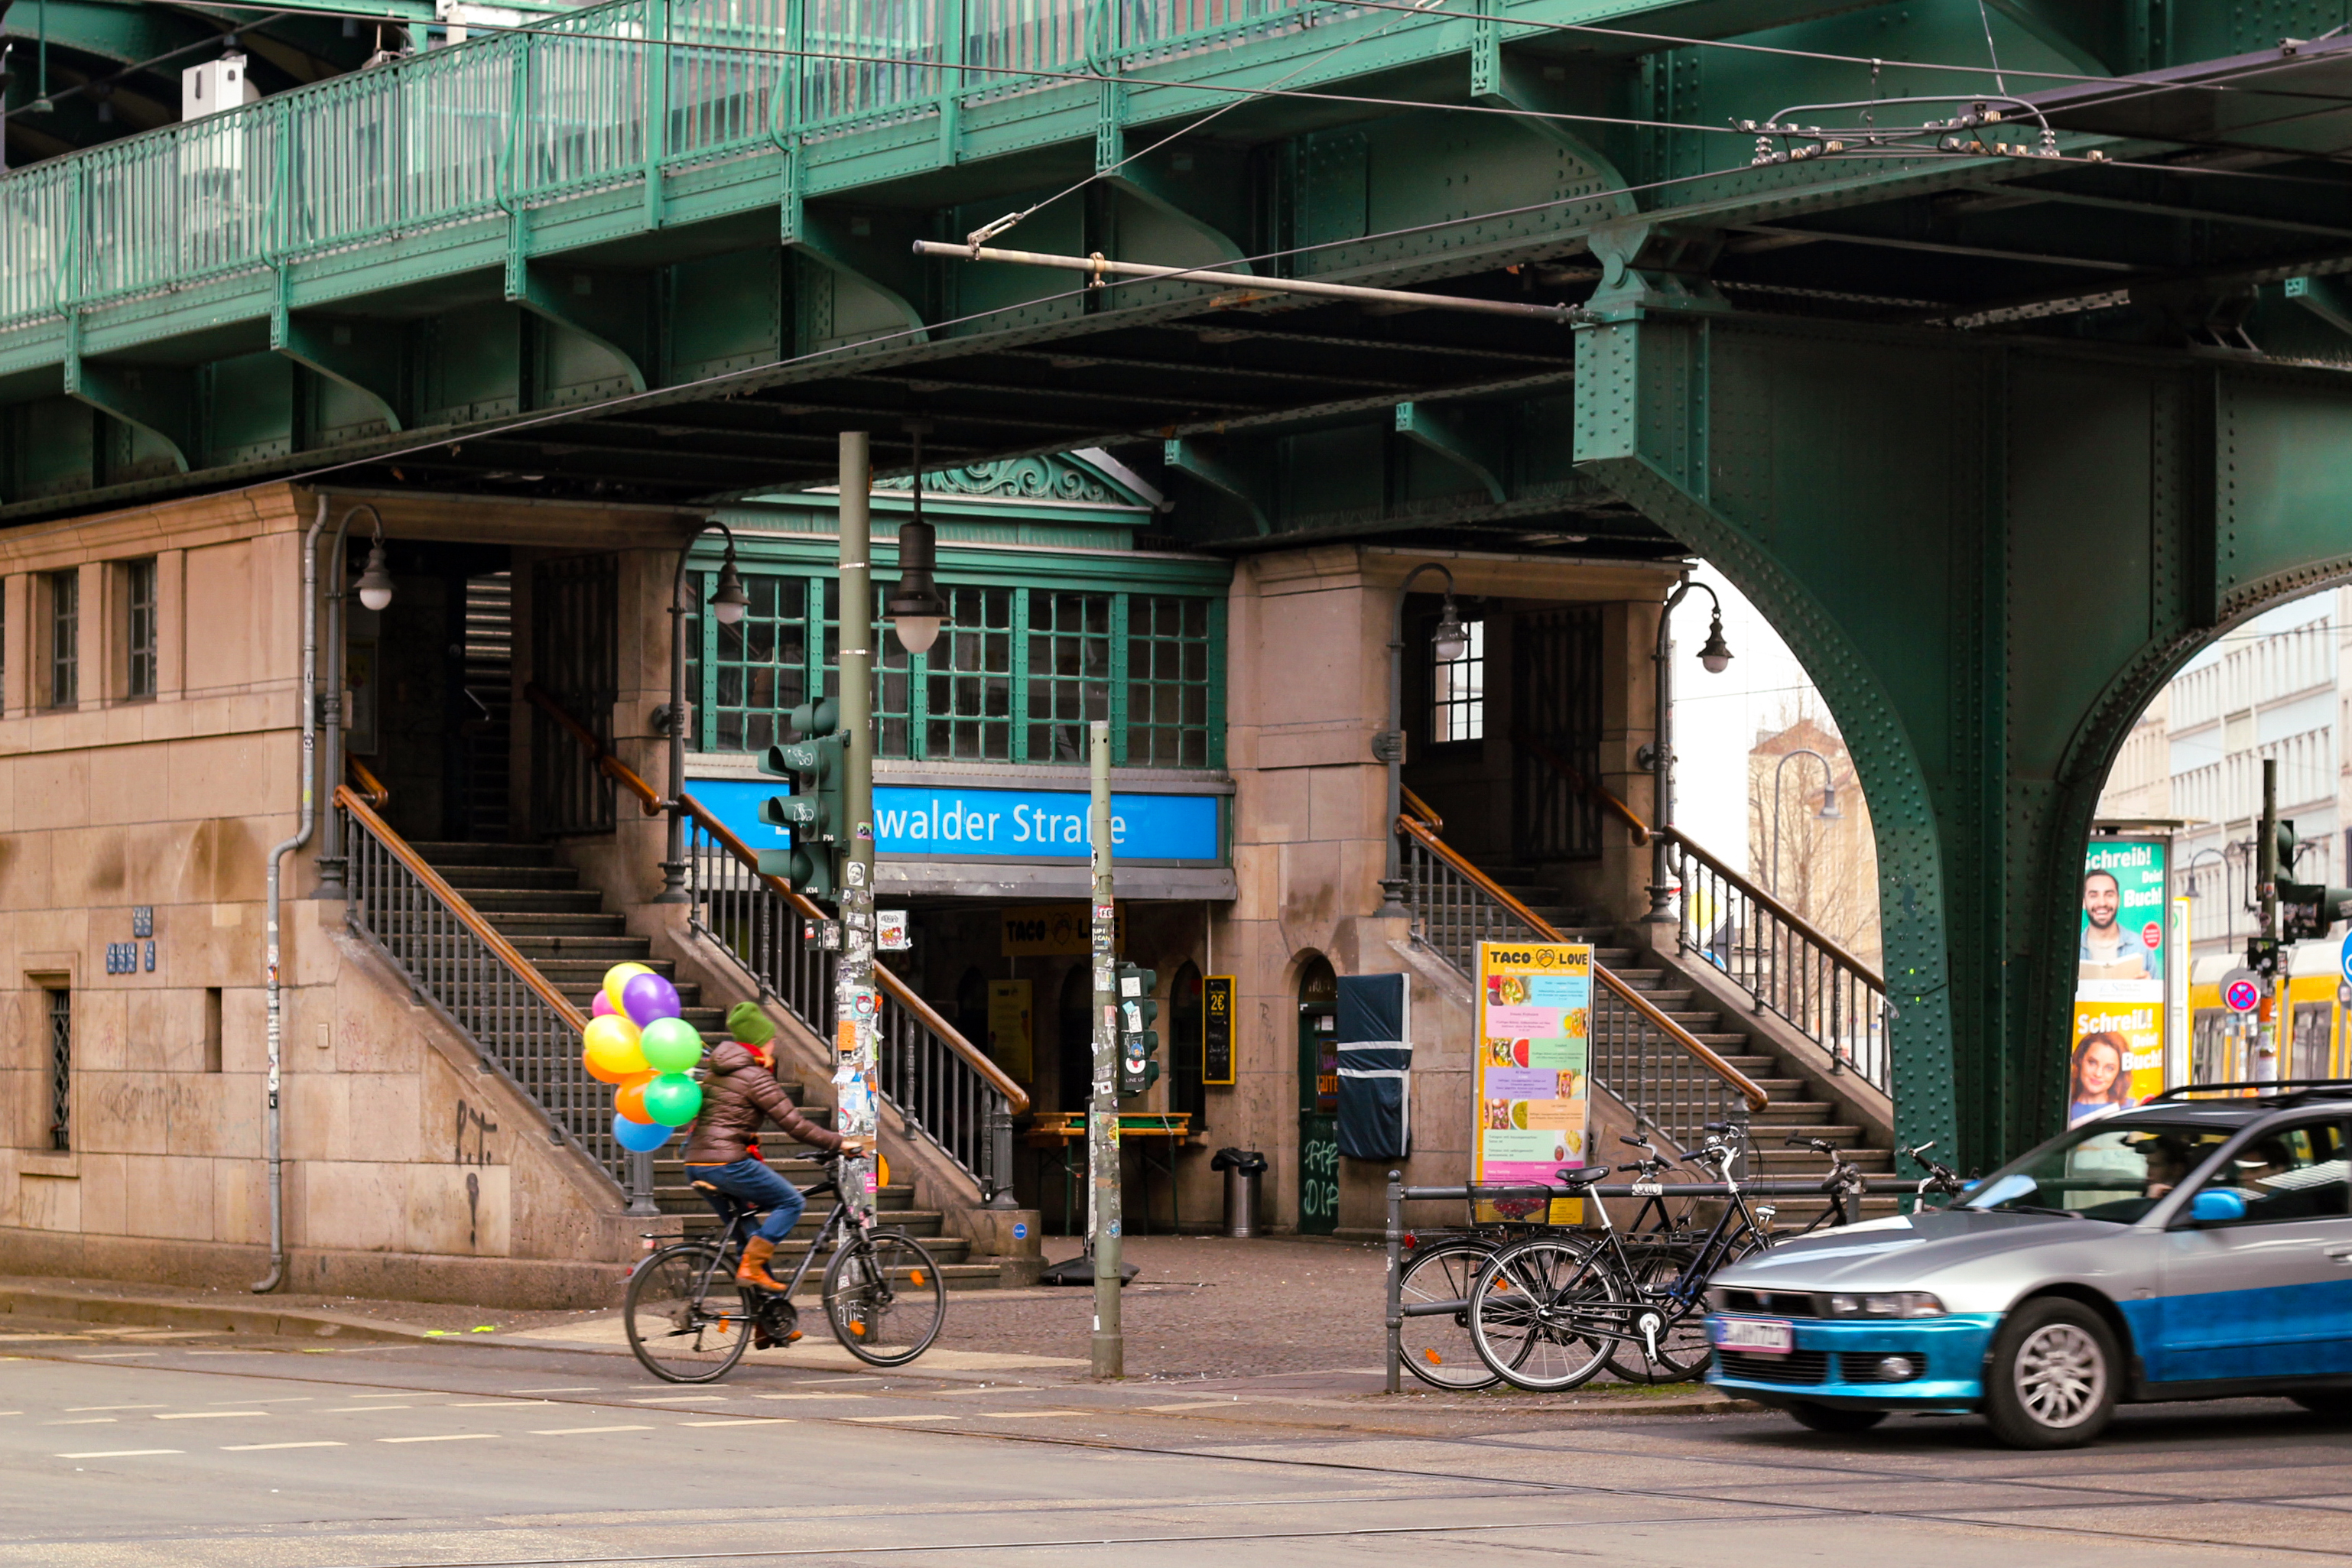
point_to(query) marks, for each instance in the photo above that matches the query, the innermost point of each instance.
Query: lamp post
(375, 588)
(1447, 643)
(727, 602)
(1658, 756)
(1828, 814)
(2188, 874)
(916, 607)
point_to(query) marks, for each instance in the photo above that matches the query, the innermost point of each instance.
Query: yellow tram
(2312, 1012)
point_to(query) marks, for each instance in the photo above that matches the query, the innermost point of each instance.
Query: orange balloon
(629, 1099)
(611, 1050)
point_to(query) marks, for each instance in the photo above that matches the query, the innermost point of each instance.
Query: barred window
(758, 667)
(1069, 671)
(139, 604)
(1458, 690)
(65, 639)
(61, 1011)
(967, 693)
(1168, 647)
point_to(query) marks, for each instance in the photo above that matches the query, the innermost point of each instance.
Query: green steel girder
(1990, 554)
(1460, 437)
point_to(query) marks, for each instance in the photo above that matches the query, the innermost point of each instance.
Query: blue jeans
(761, 1188)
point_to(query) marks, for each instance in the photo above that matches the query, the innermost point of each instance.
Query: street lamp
(374, 589)
(728, 601)
(375, 577)
(916, 607)
(1658, 756)
(1828, 814)
(1448, 641)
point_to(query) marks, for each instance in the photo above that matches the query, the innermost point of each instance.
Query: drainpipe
(1659, 757)
(278, 853)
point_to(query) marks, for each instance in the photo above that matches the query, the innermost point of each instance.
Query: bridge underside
(1996, 438)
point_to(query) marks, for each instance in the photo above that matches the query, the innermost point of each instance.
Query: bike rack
(1400, 1195)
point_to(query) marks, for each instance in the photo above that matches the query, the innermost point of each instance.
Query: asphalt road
(133, 1447)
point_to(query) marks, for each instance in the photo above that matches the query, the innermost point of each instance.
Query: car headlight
(1894, 1304)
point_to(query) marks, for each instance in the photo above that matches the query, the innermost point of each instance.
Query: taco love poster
(1530, 1076)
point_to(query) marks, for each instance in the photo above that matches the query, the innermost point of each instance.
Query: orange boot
(754, 1271)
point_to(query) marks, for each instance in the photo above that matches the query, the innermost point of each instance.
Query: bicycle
(1435, 1345)
(688, 1321)
(1941, 1179)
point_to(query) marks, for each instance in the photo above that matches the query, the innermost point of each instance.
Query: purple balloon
(649, 997)
(601, 1007)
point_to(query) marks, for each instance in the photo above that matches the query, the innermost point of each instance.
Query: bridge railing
(606, 95)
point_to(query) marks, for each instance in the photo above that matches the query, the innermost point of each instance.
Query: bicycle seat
(1584, 1176)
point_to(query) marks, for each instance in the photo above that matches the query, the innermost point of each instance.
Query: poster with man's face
(2115, 1052)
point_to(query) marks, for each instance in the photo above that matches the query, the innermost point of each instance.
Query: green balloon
(671, 1045)
(673, 1099)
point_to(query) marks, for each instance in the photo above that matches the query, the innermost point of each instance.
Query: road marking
(118, 1453)
(289, 1399)
(684, 1400)
(743, 1421)
(207, 1415)
(403, 1394)
(360, 1409)
(493, 1404)
(576, 1431)
(111, 1355)
(942, 1417)
(442, 1438)
(581, 1389)
(77, 1409)
(256, 1448)
(85, 1421)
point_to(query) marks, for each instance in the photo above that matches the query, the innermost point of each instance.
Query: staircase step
(1782, 1113)
(1844, 1134)
(449, 853)
(497, 901)
(604, 951)
(513, 924)
(467, 878)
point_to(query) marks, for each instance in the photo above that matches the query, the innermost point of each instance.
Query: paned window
(139, 604)
(1014, 676)
(1069, 673)
(65, 639)
(1458, 708)
(60, 1010)
(1168, 686)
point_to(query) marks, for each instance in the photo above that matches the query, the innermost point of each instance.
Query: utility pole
(2266, 946)
(857, 1005)
(1102, 1107)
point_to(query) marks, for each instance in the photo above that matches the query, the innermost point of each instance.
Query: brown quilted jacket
(737, 1097)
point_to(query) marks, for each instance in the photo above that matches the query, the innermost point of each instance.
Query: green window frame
(1015, 675)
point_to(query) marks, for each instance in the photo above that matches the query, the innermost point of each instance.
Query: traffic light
(2306, 909)
(1139, 1042)
(814, 812)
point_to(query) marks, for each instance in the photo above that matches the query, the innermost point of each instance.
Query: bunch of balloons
(638, 1042)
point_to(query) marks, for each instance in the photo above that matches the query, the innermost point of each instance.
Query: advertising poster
(2115, 1054)
(1530, 1080)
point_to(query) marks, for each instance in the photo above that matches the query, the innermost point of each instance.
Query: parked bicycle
(688, 1321)
(1941, 1180)
(1443, 1263)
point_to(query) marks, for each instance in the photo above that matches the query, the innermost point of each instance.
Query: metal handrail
(649, 799)
(1784, 964)
(465, 969)
(1627, 1027)
(1420, 807)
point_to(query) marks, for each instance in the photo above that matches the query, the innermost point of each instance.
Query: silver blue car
(2197, 1247)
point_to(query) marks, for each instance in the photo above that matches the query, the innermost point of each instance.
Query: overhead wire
(123, 72)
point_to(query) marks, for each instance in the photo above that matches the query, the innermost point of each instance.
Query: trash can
(1242, 1167)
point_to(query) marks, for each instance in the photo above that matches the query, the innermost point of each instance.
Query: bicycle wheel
(884, 1297)
(1545, 1311)
(1680, 1324)
(1437, 1349)
(684, 1317)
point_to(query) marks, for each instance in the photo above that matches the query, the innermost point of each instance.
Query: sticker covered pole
(1110, 1351)
(856, 1006)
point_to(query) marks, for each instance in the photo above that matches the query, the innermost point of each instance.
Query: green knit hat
(746, 1024)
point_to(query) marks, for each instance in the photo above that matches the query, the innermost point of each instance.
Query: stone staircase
(1801, 1107)
(537, 904)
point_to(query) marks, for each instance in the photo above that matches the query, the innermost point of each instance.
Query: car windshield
(2111, 1170)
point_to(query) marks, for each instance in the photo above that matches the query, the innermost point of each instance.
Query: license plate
(1746, 1334)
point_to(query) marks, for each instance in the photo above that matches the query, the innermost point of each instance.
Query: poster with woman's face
(2116, 1051)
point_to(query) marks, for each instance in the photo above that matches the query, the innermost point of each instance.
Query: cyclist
(739, 1092)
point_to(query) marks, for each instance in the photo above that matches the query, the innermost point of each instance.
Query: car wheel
(2333, 1404)
(1835, 1417)
(2051, 1382)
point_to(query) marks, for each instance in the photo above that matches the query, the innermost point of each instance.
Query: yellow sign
(1008, 1033)
(1531, 1072)
(1048, 930)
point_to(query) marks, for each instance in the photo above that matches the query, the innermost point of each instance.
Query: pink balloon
(601, 1007)
(649, 997)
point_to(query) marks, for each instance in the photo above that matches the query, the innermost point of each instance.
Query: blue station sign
(963, 822)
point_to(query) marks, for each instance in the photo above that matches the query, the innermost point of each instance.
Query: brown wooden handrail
(1421, 809)
(649, 799)
(621, 773)
(1741, 1084)
(373, 789)
(1598, 794)
(1788, 916)
(471, 918)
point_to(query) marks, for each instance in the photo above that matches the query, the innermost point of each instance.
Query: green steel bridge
(1996, 349)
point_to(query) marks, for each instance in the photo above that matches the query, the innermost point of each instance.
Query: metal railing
(945, 1089)
(606, 95)
(1670, 1077)
(1783, 962)
(458, 965)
